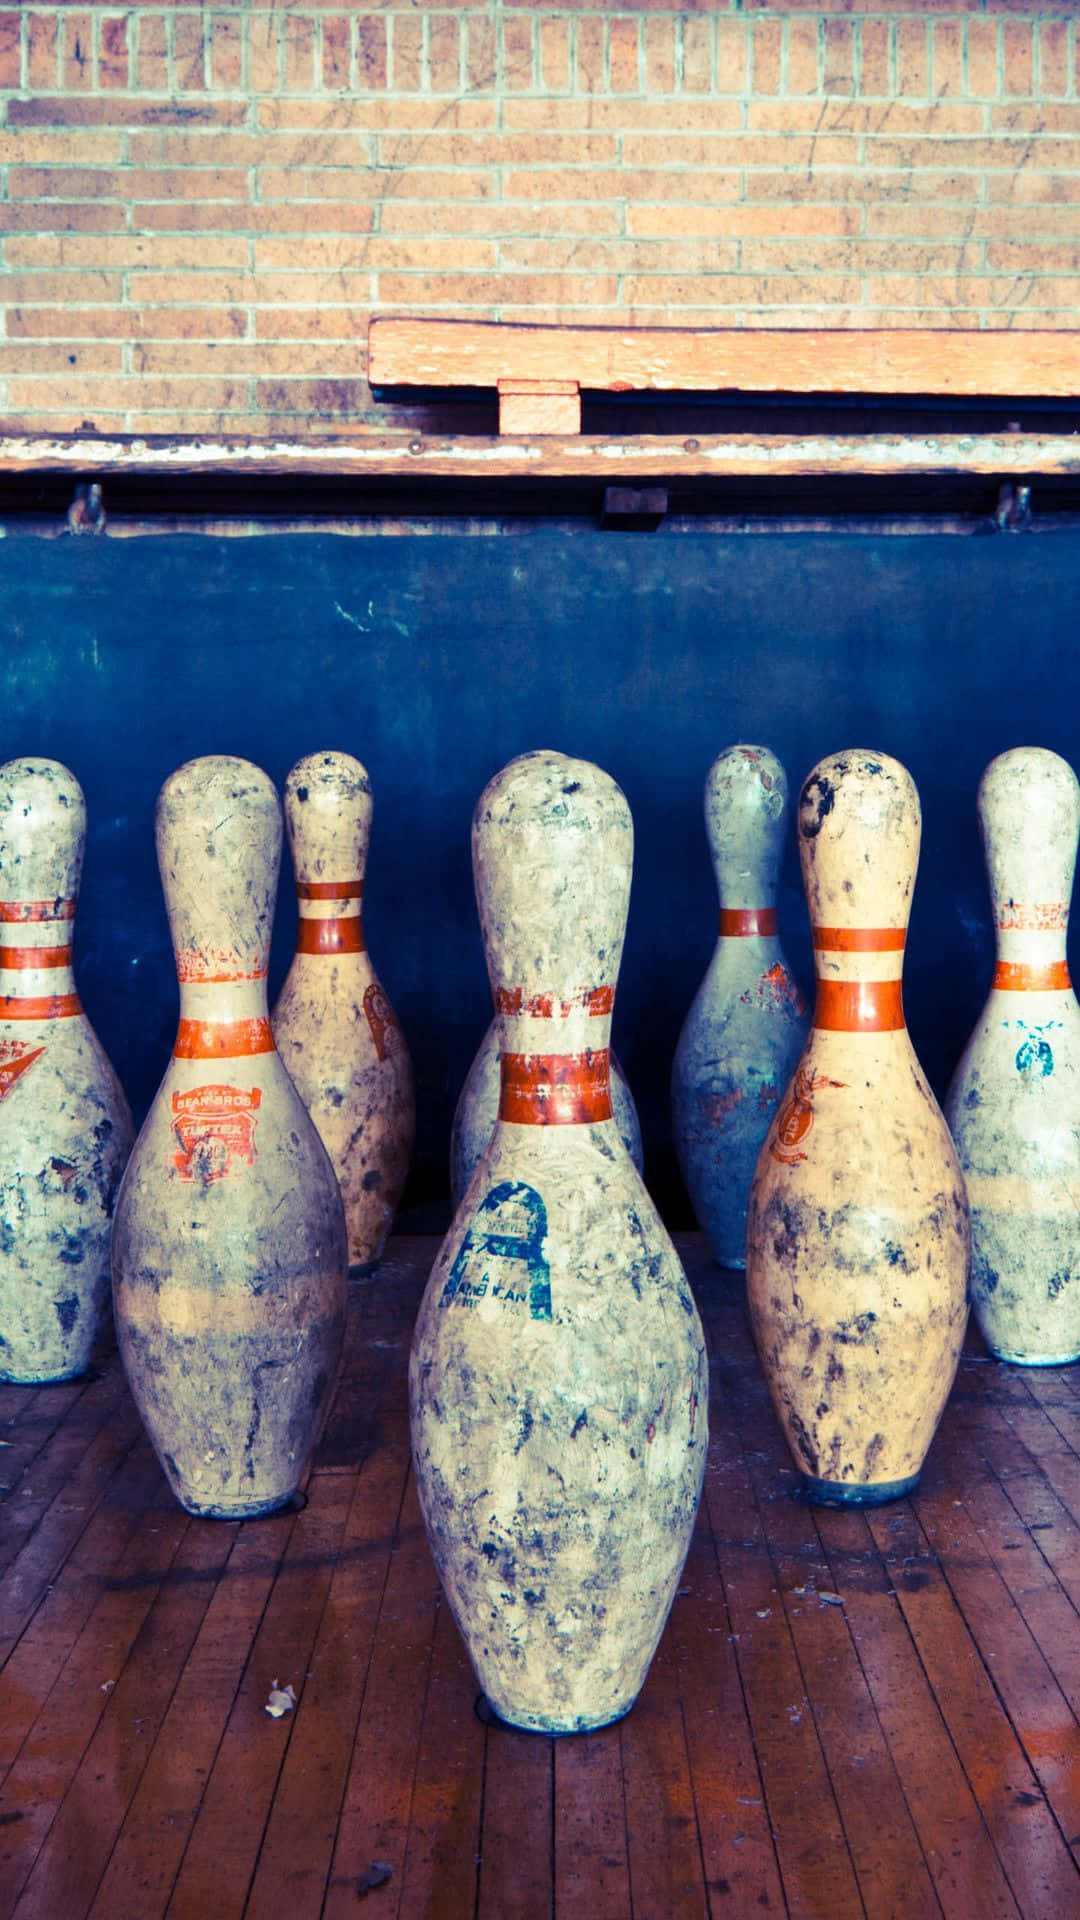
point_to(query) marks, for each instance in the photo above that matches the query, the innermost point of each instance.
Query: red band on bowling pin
(595, 1001)
(19, 957)
(1050, 916)
(49, 1006)
(860, 939)
(555, 1089)
(19, 912)
(741, 922)
(1018, 976)
(331, 936)
(215, 967)
(329, 889)
(222, 1039)
(859, 1006)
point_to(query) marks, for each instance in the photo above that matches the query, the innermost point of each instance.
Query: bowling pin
(478, 1109)
(65, 1127)
(558, 1377)
(858, 1235)
(333, 1023)
(1014, 1103)
(747, 1025)
(229, 1245)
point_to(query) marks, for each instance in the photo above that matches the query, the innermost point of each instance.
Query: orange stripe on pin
(222, 1039)
(1017, 976)
(50, 1006)
(859, 1006)
(18, 912)
(19, 957)
(741, 922)
(594, 1001)
(329, 889)
(332, 936)
(860, 939)
(555, 1089)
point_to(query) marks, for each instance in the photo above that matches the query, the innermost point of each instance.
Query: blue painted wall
(437, 658)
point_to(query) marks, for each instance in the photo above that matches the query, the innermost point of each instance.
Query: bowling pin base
(488, 1713)
(848, 1493)
(241, 1510)
(1035, 1359)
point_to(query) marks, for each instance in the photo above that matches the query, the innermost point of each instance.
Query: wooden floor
(850, 1713)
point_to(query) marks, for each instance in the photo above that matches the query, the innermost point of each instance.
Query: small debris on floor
(831, 1599)
(282, 1700)
(377, 1875)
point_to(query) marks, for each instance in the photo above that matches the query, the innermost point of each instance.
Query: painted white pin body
(1014, 1101)
(65, 1126)
(229, 1243)
(338, 1034)
(558, 1378)
(747, 1024)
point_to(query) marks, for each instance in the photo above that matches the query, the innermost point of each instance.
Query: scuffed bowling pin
(333, 1023)
(1014, 1103)
(747, 1025)
(558, 1378)
(858, 1237)
(478, 1109)
(65, 1127)
(229, 1247)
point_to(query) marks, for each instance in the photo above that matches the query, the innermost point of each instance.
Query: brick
(803, 56)
(912, 59)
(63, 289)
(298, 53)
(189, 53)
(1053, 45)
(77, 51)
(444, 53)
(73, 110)
(46, 149)
(1033, 187)
(64, 183)
(511, 149)
(732, 56)
(852, 116)
(228, 357)
(320, 253)
(480, 64)
(263, 54)
(226, 54)
(589, 51)
(875, 59)
(982, 53)
(413, 113)
(947, 41)
(479, 290)
(314, 399)
(57, 216)
(113, 323)
(1017, 58)
(30, 356)
(546, 185)
(659, 56)
(704, 150)
(42, 51)
(728, 289)
(10, 51)
(677, 114)
(734, 222)
(767, 56)
(310, 323)
(114, 51)
(516, 217)
(430, 186)
(335, 73)
(406, 52)
(518, 62)
(624, 56)
(150, 52)
(122, 250)
(697, 54)
(1032, 256)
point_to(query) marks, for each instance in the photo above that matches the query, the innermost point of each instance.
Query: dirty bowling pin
(229, 1248)
(478, 1109)
(65, 1128)
(1014, 1103)
(857, 1237)
(747, 1025)
(333, 1023)
(558, 1378)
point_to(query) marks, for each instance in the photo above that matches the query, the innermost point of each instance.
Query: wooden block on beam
(634, 509)
(539, 406)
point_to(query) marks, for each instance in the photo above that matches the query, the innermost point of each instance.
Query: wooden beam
(457, 353)
(539, 406)
(609, 459)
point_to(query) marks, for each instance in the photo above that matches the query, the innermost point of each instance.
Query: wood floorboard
(857, 1713)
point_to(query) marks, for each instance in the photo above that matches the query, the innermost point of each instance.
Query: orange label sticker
(14, 1061)
(216, 1129)
(796, 1116)
(380, 1018)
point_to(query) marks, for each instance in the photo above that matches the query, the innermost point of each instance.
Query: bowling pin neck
(42, 837)
(219, 848)
(745, 808)
(859, 827)
(1029, 814)
(331, 921)
(328, 810)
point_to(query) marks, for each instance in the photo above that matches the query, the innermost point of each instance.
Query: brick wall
(201, 206)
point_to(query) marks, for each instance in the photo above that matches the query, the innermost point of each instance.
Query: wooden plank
(666, 1866)
(58, 1459)
(516, 1874)
(592, 1855)
(222, 1852)
(70, 1864)
(144, 1862)
(477, 353)
(439, 1874)
(376, 1810)
(1041, 1872)
(400, 455)
(539, 406)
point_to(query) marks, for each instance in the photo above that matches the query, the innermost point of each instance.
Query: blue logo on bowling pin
(516, 1234)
